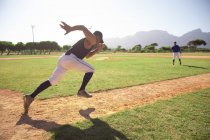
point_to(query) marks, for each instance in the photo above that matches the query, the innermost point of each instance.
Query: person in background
(176, 53)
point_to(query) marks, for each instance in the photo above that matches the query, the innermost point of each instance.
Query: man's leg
(86, 79)
(40, 88)
(82, 66)
(180, 62)
(53, 80)
(174, 56)
(28, 99)
(178, 56)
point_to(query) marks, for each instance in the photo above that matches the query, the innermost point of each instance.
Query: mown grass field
(180, 118)
(112, 71)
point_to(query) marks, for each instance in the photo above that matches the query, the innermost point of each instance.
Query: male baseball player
(176, 53)
(72, 60)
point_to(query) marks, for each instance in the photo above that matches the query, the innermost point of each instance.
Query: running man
(88, 46)
(176, 53)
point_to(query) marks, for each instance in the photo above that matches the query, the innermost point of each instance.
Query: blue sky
(115, 18)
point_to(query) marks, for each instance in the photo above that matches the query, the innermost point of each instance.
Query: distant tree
(9, 47)
(165, 49)
(43, 46)
(30, 46)
(136, 48)
(106, 48)
(118, 48)
(195, 43)
(53, 46)
(123, 50)
(66, 47)
(48, 46)
(19, 47)
(184, 48)
(154, 44)
(40, 46)
(3, 46)
(149, 48)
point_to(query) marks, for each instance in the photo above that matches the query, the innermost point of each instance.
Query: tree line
(192, 46)
(46, 47)
(42, 47)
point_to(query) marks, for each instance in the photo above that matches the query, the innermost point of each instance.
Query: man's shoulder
(81, 40)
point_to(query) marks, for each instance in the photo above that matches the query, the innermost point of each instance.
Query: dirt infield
(50, 113)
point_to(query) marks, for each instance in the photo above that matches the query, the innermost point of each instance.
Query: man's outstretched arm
(89, 36)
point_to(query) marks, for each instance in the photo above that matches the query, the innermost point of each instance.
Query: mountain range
(162, 38)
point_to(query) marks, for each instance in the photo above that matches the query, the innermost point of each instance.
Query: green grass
(27, 56)
(185, 117)
(120, 70)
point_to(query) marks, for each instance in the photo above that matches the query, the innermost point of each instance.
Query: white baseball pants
(66, 63)
(176, 55)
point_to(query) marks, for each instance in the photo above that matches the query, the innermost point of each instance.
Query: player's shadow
(39, 124)
(98, 129)
(190, 66)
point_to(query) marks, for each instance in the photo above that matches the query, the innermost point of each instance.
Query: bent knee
(53, 82)
(92, 70)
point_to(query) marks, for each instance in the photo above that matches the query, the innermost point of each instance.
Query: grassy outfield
(115, 71)
(180, 118)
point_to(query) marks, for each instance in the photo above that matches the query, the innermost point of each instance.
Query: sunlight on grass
(182, 117)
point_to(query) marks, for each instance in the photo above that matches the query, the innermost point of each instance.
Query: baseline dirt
(50, 113)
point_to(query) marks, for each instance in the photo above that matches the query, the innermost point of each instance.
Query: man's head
(175, 43)
(99, 36)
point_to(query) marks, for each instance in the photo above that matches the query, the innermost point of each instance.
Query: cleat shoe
(83, 93)
(27, 101)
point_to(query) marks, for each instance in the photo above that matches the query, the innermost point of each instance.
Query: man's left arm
(97, 50)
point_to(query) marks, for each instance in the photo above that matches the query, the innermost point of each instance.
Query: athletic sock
(86, 79)
(40, 88)
(180, 62)
(173, 61)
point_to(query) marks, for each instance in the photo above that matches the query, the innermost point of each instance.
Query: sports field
(112, 71)
(135, 96)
